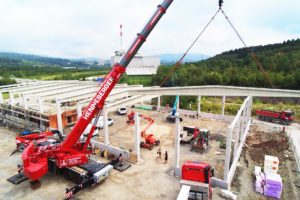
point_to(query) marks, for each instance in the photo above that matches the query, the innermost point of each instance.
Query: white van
(100, 123)
(122, 111)
(99, 126)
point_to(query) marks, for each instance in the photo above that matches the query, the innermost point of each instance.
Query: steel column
(199, 106)
(137, 136)
(41, 107)
(59, 112)
(105, 126)
(11, 98)
(158, 103)
(177, 147)
(223, 106)
(79, 110)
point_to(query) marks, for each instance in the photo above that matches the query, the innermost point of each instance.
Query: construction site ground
(148, 179)
(263, 140)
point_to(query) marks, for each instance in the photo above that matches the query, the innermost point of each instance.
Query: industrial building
(139, 65)
(35, 105)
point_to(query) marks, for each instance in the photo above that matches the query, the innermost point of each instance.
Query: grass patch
(5, 95)
(136, 80)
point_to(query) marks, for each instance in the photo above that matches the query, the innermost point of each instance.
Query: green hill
(16, 60)
(281, 62)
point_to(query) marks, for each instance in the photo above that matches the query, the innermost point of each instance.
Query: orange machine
(150, 139)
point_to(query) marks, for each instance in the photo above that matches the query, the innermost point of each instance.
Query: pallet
(122, 167)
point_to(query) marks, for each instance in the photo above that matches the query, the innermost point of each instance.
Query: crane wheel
(21, 148)
(35, 184)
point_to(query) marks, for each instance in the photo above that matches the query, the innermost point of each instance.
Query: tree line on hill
(236, 68)
(17, 59)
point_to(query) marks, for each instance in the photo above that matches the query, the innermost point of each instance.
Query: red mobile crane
(150, 139)
(43, 156)
(72, 152)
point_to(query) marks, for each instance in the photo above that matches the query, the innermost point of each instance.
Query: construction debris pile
(267, 143)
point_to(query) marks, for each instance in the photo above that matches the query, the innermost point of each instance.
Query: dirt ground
(149, 179)
(260, 142)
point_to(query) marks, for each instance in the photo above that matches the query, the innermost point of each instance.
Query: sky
(90, 28)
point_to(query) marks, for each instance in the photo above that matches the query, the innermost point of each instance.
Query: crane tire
(21, 148)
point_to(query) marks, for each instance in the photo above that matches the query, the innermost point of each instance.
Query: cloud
(78, 28)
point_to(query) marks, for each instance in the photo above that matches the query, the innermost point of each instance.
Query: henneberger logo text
(98, 98)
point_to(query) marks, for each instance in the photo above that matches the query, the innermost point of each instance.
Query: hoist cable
(183, 56)
(254, 58)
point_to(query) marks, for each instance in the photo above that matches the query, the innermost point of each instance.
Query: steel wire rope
(186, 52)
(254, 58)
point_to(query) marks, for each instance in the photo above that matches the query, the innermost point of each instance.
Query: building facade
(139, 65)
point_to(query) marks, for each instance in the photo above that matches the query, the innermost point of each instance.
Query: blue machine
(173, 115)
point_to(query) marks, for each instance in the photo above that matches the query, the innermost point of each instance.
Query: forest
(236, 67)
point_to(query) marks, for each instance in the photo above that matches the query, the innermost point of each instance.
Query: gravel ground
(149, 179)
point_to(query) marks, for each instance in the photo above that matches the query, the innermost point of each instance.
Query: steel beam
(127, 102)
(216, 90)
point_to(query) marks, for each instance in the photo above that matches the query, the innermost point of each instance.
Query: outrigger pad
(122, 167)
(17, 179)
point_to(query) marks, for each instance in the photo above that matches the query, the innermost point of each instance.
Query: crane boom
(72, 152)
(96, 105)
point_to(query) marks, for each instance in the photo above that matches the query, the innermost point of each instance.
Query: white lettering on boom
(98, 98)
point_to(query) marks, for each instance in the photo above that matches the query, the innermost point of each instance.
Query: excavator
(200, 142)
(150, 139)
(39, 157)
